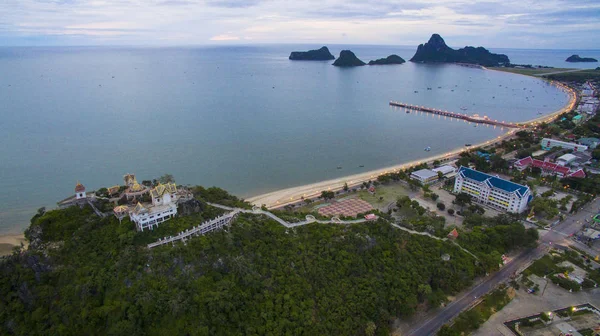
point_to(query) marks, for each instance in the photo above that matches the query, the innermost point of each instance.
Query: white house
(492, 191)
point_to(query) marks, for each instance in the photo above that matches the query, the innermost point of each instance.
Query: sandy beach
(283, 197)
(7, 242)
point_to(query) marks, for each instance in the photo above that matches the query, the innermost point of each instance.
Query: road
(558, 235)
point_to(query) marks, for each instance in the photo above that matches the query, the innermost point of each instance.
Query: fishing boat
(468, 145)
(427, 149)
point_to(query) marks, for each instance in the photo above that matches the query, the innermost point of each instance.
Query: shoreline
(280, 198)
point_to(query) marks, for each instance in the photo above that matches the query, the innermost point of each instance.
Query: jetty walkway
(470, 118)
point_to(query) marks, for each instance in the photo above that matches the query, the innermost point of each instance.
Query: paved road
(558, 235)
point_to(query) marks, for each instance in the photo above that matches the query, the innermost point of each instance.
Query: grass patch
(384, 194)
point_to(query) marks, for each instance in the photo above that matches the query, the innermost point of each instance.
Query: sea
(244, 118)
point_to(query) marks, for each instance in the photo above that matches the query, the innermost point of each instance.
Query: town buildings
(551, 169)
(426, 176)
(492, 191)
(548, 144)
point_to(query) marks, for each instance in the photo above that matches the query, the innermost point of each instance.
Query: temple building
(164, 207)
(80, 197)
(79, 191)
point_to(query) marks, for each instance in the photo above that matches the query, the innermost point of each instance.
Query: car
(530, 290)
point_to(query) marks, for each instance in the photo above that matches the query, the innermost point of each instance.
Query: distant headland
(321, 54)
(577, 59)
(436, 51)
(348, 59)
(392, 59)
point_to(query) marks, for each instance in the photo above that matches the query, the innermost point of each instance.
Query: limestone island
(577, 59)
(392, 59)
(436, 51)
(348, 59)
(321, 54)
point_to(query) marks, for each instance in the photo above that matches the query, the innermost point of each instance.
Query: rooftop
(493, 181)
(424, 174)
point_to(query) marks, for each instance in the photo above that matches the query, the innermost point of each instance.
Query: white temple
(164, 207)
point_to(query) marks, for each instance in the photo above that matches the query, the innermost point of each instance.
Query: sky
(545, 24)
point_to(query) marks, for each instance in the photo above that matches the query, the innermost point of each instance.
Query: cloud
(493, 23)
(224, 37)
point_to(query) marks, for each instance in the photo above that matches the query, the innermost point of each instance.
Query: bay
(243, 118)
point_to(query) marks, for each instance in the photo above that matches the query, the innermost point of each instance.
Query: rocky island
(392, 59)
(348, 59)
(577, 59)
(436, 51)
(321, 54)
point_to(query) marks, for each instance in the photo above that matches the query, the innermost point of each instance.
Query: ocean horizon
(244, 118)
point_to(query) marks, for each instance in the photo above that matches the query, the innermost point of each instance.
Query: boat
(407, 111)
(427, 149)
(339, 167)
(361, 166)
(416, 91)
(468, 145)
(463, 108)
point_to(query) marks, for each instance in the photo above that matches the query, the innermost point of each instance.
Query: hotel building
(492, 191)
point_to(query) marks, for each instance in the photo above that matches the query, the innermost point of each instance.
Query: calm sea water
(243, 118)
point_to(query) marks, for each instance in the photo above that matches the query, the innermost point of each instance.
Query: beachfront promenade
(470, 118)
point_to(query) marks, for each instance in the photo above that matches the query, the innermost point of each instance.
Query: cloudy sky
(509, 23)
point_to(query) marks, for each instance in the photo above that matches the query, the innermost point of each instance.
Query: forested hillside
(88, 276)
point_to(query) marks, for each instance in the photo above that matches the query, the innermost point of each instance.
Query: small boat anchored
(427, 149)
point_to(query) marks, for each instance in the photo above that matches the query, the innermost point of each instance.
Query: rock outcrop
(190, 207)
(577, 59)
(321, 54)
(436, 51)
(392, 59)
(348, 59)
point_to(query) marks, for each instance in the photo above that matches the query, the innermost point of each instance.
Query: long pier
(470, 118)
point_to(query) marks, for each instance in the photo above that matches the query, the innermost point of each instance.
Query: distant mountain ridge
(321, 54)
(436, 51)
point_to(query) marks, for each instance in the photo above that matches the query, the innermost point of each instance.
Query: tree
(167, 178)
(596, 154)
(440, 175)
(414, 184)
(450, 211)
(345, 186)
(462, 199)
(370, 328)
(327, 194)
(441, 206)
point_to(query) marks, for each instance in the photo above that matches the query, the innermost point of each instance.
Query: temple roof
(79, 187)
(161, 189)
(136, 187)
(139, 208)
(121, 209)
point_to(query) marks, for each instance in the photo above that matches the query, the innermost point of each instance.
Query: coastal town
(537, 175)
(487, 224)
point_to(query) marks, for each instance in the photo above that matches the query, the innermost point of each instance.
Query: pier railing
(470, 118)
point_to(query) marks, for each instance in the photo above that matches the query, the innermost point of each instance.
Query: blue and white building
(493, 191)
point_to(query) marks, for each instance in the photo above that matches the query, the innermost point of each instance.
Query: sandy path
(282, 197)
